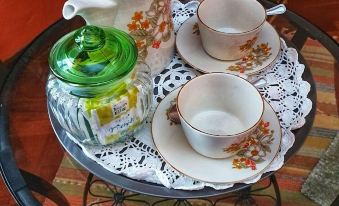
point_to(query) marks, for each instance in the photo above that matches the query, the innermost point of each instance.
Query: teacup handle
(258, 83)
(261, 82)
(278, 9)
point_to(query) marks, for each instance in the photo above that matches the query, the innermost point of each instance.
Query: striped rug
(71, 177)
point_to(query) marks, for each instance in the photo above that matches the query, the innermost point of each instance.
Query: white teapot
(149, 22)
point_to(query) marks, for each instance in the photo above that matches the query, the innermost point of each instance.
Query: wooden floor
(324, 14)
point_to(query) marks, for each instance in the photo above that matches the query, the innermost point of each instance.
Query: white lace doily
(138, 159)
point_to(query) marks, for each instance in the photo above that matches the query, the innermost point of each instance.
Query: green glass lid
(93, 56)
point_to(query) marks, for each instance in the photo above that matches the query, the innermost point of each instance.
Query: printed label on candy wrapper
(121, 123)
(120, 107)
(111, 121)
(116, 129)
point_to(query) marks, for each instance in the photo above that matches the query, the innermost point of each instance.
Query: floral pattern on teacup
(257, 57)
(249, 44)
(253, 149)
(152, 27)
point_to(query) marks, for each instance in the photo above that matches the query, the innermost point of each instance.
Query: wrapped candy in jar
(97, 90)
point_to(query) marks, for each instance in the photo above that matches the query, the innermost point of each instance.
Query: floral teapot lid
(93, 56)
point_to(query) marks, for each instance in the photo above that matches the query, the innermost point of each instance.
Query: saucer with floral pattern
(252, 155)
(265, 50)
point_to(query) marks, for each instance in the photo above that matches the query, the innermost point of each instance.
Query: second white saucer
(264, 52)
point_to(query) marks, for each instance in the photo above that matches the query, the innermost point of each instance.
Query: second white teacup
(229, 28)
(217, 110)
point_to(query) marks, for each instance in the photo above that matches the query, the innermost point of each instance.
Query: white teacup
(229, 28)
(217, 110)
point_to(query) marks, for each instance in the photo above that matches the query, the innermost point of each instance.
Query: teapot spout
(90, 10)
(71, 8)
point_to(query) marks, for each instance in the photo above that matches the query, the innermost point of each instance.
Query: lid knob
(90, 38)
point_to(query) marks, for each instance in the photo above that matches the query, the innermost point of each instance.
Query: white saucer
(189, 47)
(172, 145)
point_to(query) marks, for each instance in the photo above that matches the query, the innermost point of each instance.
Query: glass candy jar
(97, 90)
